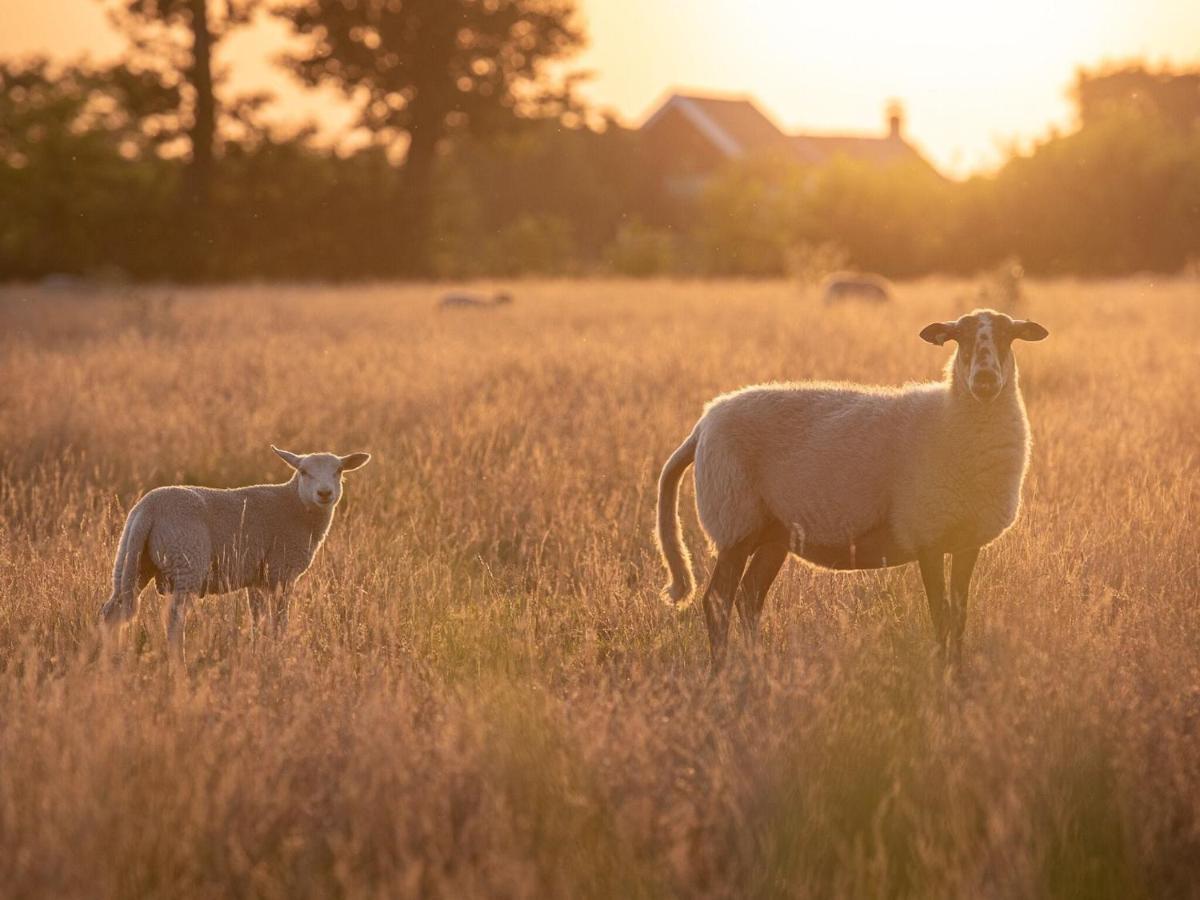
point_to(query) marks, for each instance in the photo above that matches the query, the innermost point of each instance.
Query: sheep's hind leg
(933, 574)
(177, 611)
(718, 598)
(764, 567)
(962, 566)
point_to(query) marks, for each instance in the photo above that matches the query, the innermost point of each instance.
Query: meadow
(481, 693)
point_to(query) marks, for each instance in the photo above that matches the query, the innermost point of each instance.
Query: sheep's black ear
(354, 461)
(1024, 330)
(290, 458)
(940, 332)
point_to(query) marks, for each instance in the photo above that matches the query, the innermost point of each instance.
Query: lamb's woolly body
(926, 463)
(193, 541)
(199, 540)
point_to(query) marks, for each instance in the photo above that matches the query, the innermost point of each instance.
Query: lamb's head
(319, 475)
(984, 361)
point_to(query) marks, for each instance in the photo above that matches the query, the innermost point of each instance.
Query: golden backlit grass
(481, 693)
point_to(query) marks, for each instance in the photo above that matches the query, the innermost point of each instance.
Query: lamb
(841, 286)
(468, 300)
(194, 541)
(847, 476)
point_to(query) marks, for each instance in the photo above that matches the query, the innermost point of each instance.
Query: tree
(1164, 97)
(429, 66)
(80, 172)
(178, 38)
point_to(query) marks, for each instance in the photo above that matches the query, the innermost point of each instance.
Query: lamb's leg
(176, 620)
(258, 599)
(281, 604)
(764, 567)
(718, 599)
(962, 566)
(933, 574)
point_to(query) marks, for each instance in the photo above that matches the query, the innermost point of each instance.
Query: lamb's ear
(940, 332)
(354, 461)
(290, 458)
(1024, 330)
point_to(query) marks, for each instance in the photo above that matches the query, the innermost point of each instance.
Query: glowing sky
(973, 76)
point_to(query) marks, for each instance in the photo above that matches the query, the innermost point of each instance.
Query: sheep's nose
(324, 494)
(985, 384)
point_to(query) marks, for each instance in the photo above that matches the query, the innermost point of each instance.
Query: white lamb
(853, 477)
(194, 541)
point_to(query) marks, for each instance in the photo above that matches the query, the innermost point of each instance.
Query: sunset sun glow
(974, 78)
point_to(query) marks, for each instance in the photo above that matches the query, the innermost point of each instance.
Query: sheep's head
(984, 361)
(319, 475)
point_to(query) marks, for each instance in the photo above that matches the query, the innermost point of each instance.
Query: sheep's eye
(304, 474)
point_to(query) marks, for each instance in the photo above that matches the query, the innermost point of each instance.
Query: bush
(534, 243)
(640, 250)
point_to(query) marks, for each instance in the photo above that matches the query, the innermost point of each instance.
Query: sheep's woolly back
(210, 540)
(836, 461)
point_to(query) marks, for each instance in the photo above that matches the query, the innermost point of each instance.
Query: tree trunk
(198, 182)
(417, 187)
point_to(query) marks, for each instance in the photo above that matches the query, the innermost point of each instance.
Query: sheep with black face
(849, 476)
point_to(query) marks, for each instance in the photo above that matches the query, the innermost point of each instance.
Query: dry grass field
(481, 693)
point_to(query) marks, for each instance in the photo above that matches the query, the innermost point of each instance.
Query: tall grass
(481, 693)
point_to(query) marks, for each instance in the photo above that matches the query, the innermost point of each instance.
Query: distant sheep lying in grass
(842, 286)
(194, 541)
(470, 300)
(853, 477)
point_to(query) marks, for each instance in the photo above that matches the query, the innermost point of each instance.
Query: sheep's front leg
(269, 608)
(281, 603)
(933, 574)
(259, 608)
(962, 566)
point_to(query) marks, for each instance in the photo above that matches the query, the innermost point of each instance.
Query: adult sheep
(194, 541)
(853, 477)
(471, 300)
(843, 286)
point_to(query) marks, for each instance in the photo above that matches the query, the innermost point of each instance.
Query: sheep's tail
(674, 552)
(122, 605)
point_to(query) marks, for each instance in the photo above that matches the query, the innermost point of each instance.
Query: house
(689, 137)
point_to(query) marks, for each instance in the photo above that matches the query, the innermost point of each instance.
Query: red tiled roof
(736, 127)
(815, 148)
(742, 121)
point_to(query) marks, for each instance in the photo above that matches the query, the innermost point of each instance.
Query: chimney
(895, 119)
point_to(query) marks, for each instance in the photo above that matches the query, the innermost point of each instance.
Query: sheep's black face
(984, 362)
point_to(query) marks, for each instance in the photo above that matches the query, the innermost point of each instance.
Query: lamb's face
(984, 362)
(319, 475)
